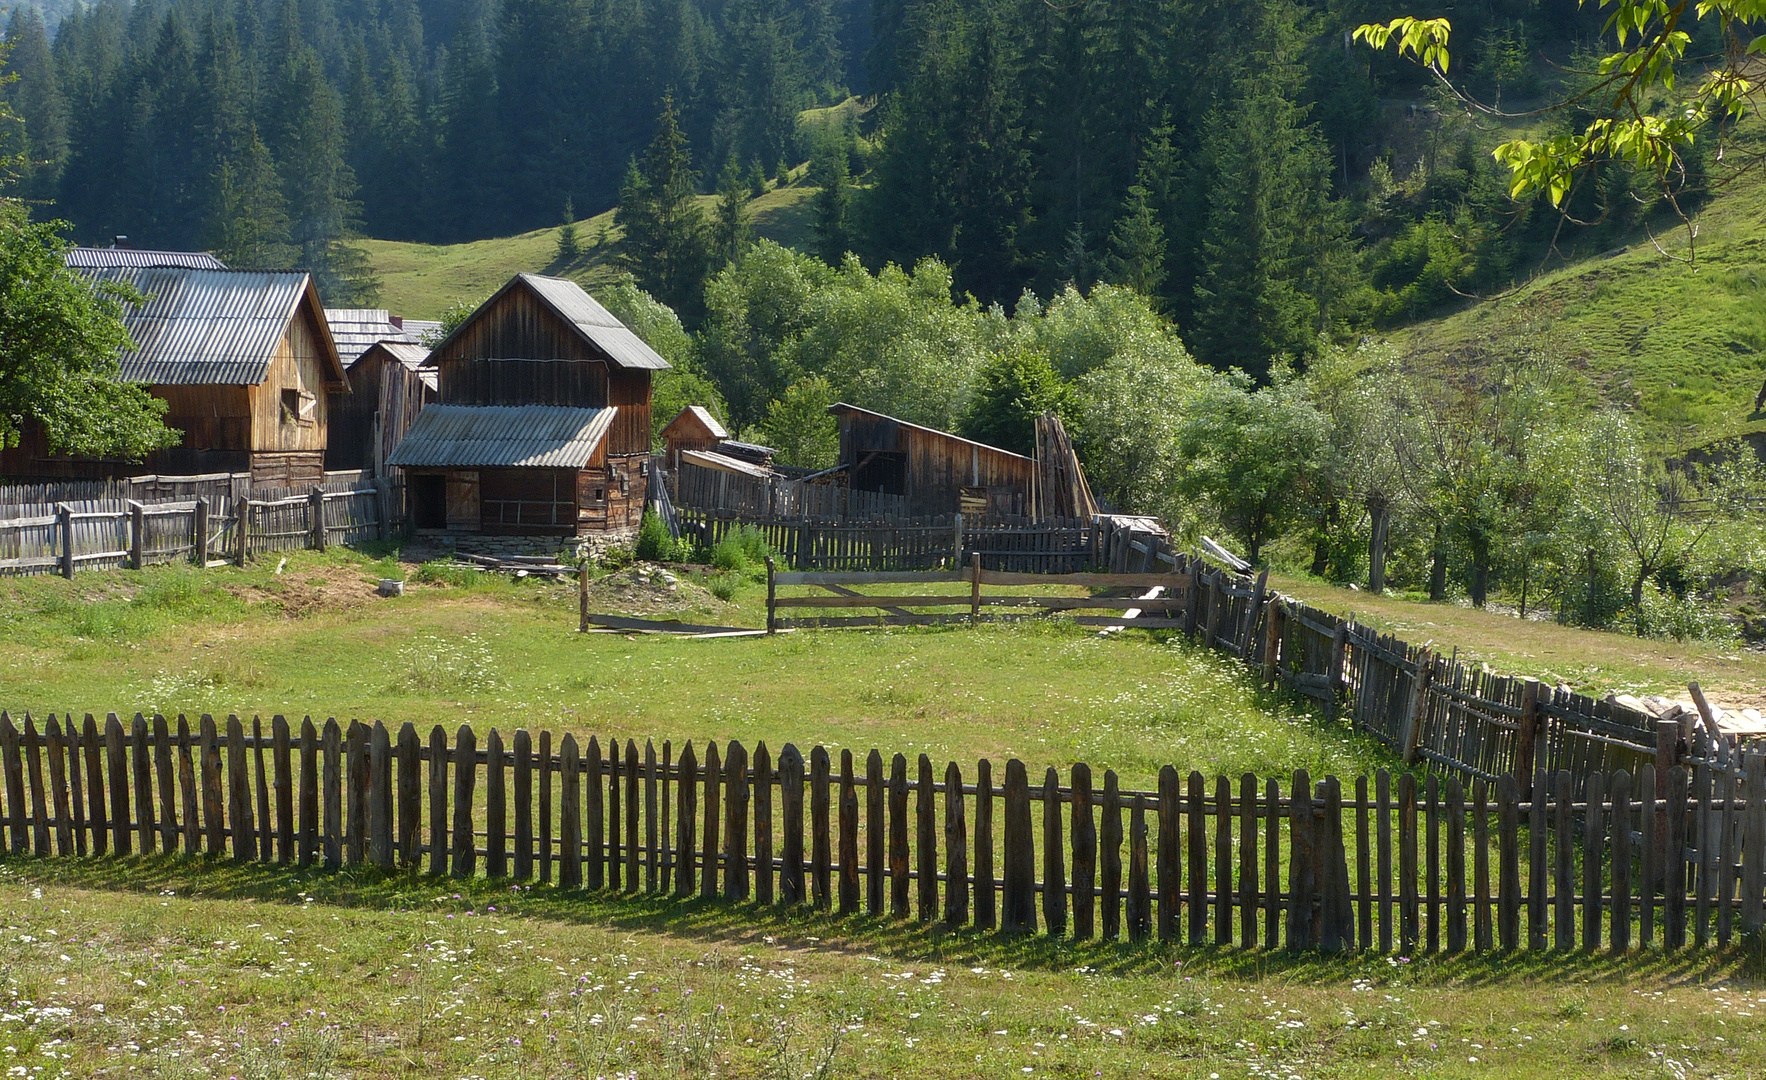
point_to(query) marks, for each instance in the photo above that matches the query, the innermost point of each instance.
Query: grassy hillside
(1683, 343)
(421, 280)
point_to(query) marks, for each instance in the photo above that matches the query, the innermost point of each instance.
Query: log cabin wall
(484, 381)
(629, 390)
(351, 417)
(516, 323)
(297, 366)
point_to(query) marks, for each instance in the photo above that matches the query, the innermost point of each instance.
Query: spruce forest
(1234, 160)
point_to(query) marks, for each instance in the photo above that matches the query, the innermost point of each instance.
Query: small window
(600, 494)
(299, 407)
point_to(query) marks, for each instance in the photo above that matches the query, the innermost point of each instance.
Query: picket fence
(111, 533)
(1417, 866)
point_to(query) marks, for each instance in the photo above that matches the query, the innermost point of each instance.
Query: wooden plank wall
(1257, 862)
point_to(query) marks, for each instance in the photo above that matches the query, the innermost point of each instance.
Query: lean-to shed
(693, 428)
(541, 425)
(244, 361)
(358, 420)
(935, 471)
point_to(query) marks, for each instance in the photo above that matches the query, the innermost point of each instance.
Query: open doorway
(429, 501)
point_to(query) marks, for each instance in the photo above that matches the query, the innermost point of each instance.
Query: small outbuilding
(693, 428)
(934, 471)
(541, 425)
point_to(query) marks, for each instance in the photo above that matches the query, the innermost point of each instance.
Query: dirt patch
(311, 590)
(651, 590)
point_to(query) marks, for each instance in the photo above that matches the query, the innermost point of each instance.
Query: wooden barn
(541, 425)
(935, 471)
(358, 421)
(693, 428)
(243, 359)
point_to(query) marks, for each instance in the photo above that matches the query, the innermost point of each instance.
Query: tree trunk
(1321, 556)
(1438, 571)
(1637, 589)
(1380, 511)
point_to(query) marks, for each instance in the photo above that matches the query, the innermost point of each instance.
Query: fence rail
(1399, 864)
(907, 544)
(1154, 603)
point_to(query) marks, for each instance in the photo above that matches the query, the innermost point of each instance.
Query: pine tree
(666, 244)
(1137, 246)
(248, 219)
(37, 102)
(761, 85)
(570, 246)
(730, 229)
(832, 176)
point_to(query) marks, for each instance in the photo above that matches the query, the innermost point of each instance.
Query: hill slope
(1684, 344)
(420, 280)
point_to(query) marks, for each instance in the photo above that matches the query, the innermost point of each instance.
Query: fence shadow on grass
(715, 921)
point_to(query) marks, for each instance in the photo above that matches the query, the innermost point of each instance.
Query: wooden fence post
(1054, 874)
(819, 854)
(927, 843)
(210, 768)
(570, 809)
(592, 822)
(238, 794)
(284, 784)
(15, 784)
(713, 771)
(761, 795)
(137, 531)
(410, 771)
(523, 748)
(1334, 681)
(1170, 880)
(1417, 706)
(956, 846)
(791, 891)
(985, 893)
(1019, 915)
(1753, 850)
(187, 786)
(64, 521)
(266, 842)
(688, 792)
(633, 811)
(772, 593)
(1139, 917)
(241, 529)
(1085, 850)
(546, 833)
(1526, 736)
(1300, 870)
(465, 860)
(39, 803)
(1593, 845)
(1508, 823)
(1272, 641)
(496, 807)
(307, 845)
(848, 812)
(316, 518)
(735, 824)
(355, 793)
(438, 800)
(199, 533)
(380, 797)
(1195, 818)
(898, 837)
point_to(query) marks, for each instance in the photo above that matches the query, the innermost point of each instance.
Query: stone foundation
(568, 548)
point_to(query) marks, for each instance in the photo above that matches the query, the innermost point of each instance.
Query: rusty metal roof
(208, 327)
(489, 436)
(89, 258)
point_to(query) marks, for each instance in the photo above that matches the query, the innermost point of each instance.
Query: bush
(655, 545)
(744, 551)
(723, 586)
(1683, 618)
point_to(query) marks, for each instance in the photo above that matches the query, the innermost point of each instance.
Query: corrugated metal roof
(407, 353)
(415, 329)
(87, 258)
(488, 436)
(205, 327)
(357, 328)
(595, 322)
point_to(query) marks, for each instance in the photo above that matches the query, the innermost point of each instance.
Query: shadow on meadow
(697, 921)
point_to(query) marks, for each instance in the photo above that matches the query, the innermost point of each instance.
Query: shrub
(742, 551)
(723, 586)
(655, 545)
(1683, 618)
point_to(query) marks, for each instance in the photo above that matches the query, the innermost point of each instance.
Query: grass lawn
(314, 640)
(183, 969)
(1592, 661)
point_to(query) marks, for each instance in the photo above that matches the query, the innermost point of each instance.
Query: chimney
(120, 242)
(397, 320)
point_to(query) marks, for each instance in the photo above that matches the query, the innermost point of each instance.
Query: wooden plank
(633, 855)
(570, 812)
(762, 799)
(1753, 845)
(735, 822)
(1538, 870)
(545, 830)
(848, 813)
(592, 820)
(438, 798)
(282, 762)
(708, 843)
(1019, 907)
(1593, 845)
(522, 744)
(1139, 913)
(1408, 921)
(688, 816)
(1620, 937)
(820, 856)
(1170, 854)
(956, 849)
(13, 761)
(331, 745)
(1483, 939)
(55, 745)
(604, 847)
(822, 577)
(1083, 828)
(465, 853)
(187, 786)
(1508, 824)
(926, 842)
(33, 753)
(1301, 873)
(1674, 882)
(1272, 889)
(355, 768)
(1432, 879)
(1650, 879)
(1702, 834)
(410, 765)
(899, 855)
(1456, 866)
(1054, 872)
(876, 832)
(1177, 582)
(791, 891)
(167, 783)
(986, 906)
(1383, 828)
(1223, 861)
(380, 824)
(141, 769)
(872, 601)
(1110, 858)
(1563, 833)
(76, 787)
(1196, 820)
(496, 806)
(265, 840)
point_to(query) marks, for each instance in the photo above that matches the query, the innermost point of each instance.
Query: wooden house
(934, 471)
(244, 361)
(356, 412)
(694, 428)
(541, 425)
